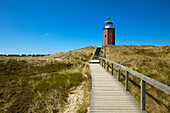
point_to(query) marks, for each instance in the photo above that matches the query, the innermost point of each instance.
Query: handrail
(149, 80)
(143, 78)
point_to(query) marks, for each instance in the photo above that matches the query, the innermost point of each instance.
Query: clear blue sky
(50, 26)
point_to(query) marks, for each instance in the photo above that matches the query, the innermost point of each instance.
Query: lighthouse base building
(109, 33)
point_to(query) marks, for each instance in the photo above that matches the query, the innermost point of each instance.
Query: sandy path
(79, 96)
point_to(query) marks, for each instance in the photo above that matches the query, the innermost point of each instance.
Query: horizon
(46, 54)
(48, 27)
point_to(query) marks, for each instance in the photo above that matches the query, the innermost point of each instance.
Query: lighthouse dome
(108, 23)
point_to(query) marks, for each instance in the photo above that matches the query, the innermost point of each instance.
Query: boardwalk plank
(108, 95)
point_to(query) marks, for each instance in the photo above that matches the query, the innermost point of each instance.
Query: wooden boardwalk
(108, 95)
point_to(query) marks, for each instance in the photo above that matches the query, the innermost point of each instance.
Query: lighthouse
(109, 33)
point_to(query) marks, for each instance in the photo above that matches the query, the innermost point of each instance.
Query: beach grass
(41, 84)
(151, 61)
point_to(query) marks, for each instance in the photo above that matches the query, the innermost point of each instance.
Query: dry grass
(41, 84)
(151, 61)
(85, 106)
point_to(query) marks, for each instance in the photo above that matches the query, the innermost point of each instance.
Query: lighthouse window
(105, 35)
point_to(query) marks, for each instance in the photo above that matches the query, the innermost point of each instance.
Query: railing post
(119, 73)
(112, 68)
(104, 64)
(142, 94)
(127, 80)
(107, 66)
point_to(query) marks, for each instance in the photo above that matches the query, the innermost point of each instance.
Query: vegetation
(41, 84)
(151, 61)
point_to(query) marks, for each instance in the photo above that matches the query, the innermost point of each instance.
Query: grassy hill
(151, 61)
(42, 84)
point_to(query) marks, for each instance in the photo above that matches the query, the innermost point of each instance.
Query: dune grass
(151, 61)
(40, 84)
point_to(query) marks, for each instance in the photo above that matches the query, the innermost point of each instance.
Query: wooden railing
(143, 78)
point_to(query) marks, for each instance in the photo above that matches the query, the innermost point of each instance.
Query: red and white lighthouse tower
(109, 33)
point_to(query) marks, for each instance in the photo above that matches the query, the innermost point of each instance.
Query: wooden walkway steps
(109, 95)
(94, 61)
